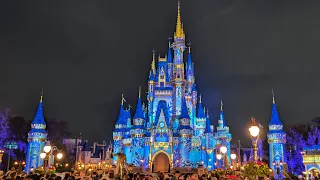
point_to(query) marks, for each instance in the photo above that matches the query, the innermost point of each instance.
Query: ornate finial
(179, 29)
(122, 99)
(221, 106)
(273, 99)
(253, 120)
(41, 96)
(139, 91)
(207, 113)
(129, 107)
(204, 110)
(200, 100)
(189, 46)
(169, 41)
(153, 64)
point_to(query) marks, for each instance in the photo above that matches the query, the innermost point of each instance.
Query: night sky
(86, 53)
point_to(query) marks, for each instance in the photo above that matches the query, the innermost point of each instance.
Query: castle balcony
(224, 128)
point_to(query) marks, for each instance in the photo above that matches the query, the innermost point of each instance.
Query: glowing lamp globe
(43, 155)
(47, 148)
(223, 149)
(219, 156)
(59, 155)
(254, 131)
(233, 156)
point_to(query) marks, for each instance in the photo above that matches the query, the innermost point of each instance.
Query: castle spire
(121, 117)
(139, 109)
(208, 128)
(201, 110)
(221, 121)
(184, 110)
(179, 28)
(275, 119)
(169, 57)
(39, 117)
(153, 64)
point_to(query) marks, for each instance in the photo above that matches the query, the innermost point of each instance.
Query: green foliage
(252, 169)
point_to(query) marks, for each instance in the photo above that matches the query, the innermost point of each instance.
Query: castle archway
(161, 162)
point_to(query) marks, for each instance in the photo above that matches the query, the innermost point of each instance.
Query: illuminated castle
(174, 130)
(37, 137)
(276, 139)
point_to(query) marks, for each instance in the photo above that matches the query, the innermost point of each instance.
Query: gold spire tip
(139, 91)
(122, 99)
(273, 99)
(179, 28)
(189, 47)
(41, 96)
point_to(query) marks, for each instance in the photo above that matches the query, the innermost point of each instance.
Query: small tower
(178, 79)
(185, 135)
(209, 159)
(223, 135)
(201, 119)
(37, 137)
(138, 133)
(169, 61)
(189, 70)
(120, 130)
(127, 141)
(276, 139)
(151, 87)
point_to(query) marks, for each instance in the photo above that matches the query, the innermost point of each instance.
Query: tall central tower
(37, 137)
(178, 66)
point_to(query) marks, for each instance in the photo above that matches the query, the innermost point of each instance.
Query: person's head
(94, 174)
(111, 175)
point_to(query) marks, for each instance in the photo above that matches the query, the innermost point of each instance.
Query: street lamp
(254, 132)
(223, 150)
(219, 156)
(48, 152)
(233, 157)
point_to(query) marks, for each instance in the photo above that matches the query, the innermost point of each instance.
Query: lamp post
(219, 157)
(233, 157)
(1, 154)
(254, 132)
(223, 150)
(48, 152)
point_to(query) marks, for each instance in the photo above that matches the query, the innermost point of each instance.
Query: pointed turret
(179, 27)
(221, 122)
(121, 122)
(189, 61)
(139, 110)
(184, 110)
(201, 114)
(275, 119)
(38, 121)
(208, 125)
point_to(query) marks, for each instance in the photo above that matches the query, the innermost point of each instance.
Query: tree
(294, 147)
(4, 126)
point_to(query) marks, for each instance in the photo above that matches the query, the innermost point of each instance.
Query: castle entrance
(161, 163)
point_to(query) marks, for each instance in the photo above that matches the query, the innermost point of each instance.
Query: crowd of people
(94, 175)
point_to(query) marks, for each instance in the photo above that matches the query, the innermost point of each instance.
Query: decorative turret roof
(189, 61)
(38, 124)
(221, 121)
(39, 118)
(151, 76)
(179, 27)
(184, 110)
(201, 113)
(121, 117)
(275, 119)
(139, 110)
(208, 125)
